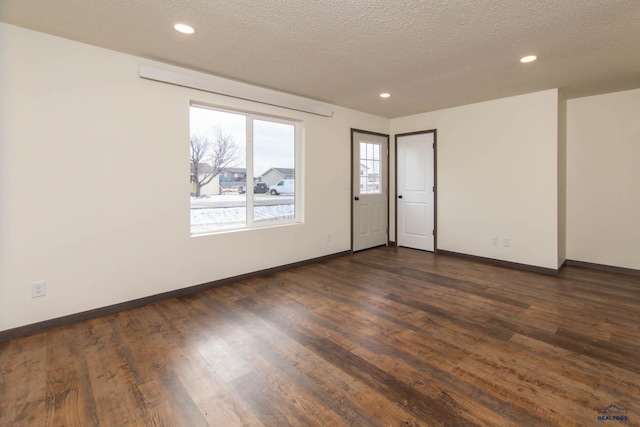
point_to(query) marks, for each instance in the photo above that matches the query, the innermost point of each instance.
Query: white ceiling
(428, 54)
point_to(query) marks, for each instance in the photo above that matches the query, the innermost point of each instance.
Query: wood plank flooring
(385, 337)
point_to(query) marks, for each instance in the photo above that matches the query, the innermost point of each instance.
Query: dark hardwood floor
(385, 337)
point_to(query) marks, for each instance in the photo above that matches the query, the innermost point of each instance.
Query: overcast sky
(273, 143)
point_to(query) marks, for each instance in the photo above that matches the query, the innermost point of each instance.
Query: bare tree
(209, 156)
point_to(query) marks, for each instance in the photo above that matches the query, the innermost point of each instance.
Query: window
(370, 168)
(244, 170)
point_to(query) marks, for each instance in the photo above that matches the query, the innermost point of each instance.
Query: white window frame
(298, 126)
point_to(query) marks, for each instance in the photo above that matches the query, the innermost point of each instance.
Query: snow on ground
(205, 220)
(236, 200)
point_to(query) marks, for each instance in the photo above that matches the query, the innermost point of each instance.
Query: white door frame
(435, 183)
(385, 182)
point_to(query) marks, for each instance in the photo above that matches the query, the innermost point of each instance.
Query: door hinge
(433, 189)
(433, 232)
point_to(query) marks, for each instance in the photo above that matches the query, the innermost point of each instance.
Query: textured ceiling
(428, 54)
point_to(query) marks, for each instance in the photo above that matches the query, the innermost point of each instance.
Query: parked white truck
(285, 186)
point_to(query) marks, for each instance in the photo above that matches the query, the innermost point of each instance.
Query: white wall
(603, 179)
(94, 187)
(497, 175)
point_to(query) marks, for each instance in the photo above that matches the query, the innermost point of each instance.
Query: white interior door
(369, 182)
(416, 190)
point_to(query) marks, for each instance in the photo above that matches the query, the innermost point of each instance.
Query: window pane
(369, 168)
(220, 151)
(363, 167)
(273, 171)
(218, 170)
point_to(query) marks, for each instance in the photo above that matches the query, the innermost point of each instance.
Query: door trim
(353, 131)
(435, 183)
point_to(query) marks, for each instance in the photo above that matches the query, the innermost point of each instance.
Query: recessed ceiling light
(529, 58)
(184, 28)
(385, 95)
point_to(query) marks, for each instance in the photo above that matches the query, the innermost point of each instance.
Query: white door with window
(416, 190)
(369, 182)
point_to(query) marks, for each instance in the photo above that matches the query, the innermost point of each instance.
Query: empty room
(323, 213)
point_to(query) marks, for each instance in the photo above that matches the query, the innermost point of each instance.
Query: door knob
(356, 198)
(400, 196)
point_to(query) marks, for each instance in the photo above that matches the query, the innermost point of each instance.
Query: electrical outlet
(494, 241)
(328, 238)
(38, 289)
(505, 242)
